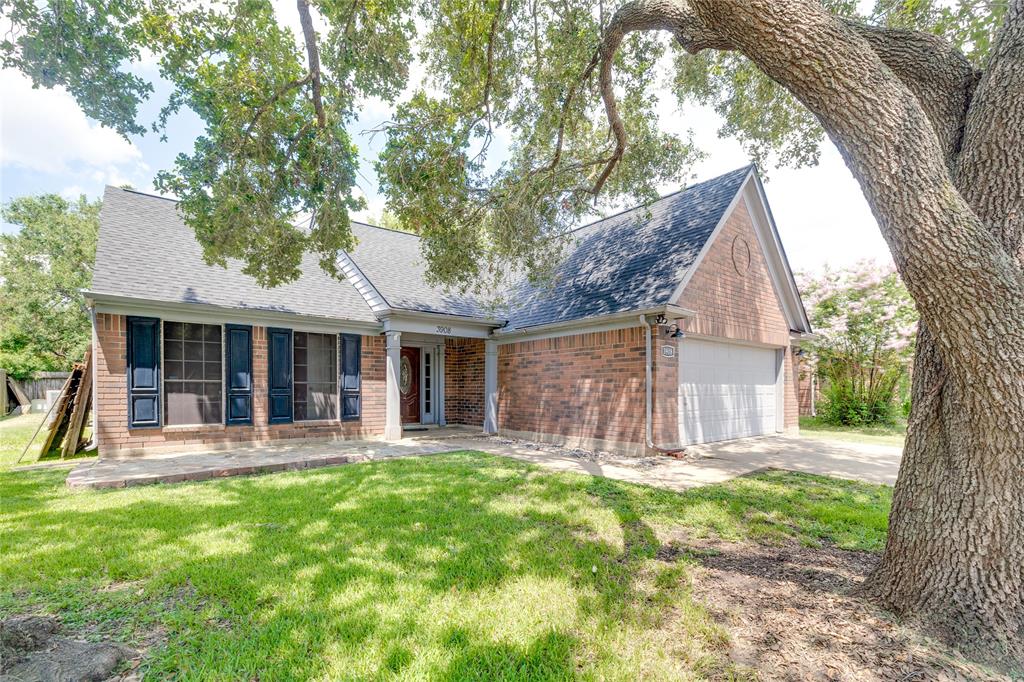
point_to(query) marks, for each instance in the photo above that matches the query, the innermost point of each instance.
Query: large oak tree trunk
(939, 155)
(955, 551)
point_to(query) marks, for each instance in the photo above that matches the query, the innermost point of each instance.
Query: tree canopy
(44, 325)
(279, 100)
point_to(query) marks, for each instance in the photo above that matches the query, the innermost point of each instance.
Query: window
(193, 380)
(316, 376)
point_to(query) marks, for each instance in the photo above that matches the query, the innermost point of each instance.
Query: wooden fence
(37, 387)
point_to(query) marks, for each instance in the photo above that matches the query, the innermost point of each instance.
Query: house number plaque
(668, 351)
(441, 329)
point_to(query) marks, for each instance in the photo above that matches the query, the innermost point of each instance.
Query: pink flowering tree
(865, 321)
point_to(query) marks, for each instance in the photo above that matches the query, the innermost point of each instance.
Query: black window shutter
(279, 375)
(351, 346)
(238, 374)
(143, 367)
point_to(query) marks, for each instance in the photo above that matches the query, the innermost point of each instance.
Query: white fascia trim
(362, 284)
(214, 314)
(692, 268)
(797, 338)
(778, 264)
(398, 314)
(588, 325)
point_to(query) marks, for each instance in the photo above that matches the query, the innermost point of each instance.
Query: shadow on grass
(460, 566)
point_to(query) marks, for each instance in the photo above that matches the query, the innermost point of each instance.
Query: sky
(48, 145)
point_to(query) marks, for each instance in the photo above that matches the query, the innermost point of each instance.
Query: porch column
(439, 392)
(490, 386)
(392, 396)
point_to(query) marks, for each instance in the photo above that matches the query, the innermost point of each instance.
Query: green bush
(847, 403)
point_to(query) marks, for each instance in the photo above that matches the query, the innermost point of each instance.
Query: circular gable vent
(740, 255)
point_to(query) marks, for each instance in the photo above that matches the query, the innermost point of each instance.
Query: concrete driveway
(718, 462)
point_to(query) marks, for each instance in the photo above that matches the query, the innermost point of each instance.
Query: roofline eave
(132, 305)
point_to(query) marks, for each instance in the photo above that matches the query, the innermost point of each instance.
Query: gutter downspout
(649, 395)
(94, 440)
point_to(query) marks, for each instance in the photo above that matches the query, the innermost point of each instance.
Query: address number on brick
(668, 351)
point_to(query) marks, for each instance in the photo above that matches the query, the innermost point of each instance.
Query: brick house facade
(382, 351)
(115, 437)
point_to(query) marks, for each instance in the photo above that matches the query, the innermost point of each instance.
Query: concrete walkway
(200, 466)
(707, 464)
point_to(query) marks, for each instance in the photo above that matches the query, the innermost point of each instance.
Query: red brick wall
(737, 302)
(114, 437)
(587, 386)
(464, 381)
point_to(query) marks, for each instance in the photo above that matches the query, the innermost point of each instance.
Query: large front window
(316, 376)
(193, 379)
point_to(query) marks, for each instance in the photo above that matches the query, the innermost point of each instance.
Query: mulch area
(790, 616)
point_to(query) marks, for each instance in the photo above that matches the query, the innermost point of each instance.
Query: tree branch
(313, 55)
(989, 171)
(644, 15)
(938, 74)
(280, 92)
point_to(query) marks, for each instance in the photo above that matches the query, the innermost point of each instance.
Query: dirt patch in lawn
(790, 616)
(89, 644)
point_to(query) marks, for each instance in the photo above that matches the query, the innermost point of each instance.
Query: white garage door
(726, 391)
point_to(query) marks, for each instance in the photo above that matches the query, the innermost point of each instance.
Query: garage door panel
(726, 391)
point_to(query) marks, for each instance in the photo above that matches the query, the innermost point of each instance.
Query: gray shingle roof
(145, 251)
(630, 261)
(392, 261)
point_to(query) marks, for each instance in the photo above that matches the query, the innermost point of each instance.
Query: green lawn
(14, 434)
(458, 566)
(893, 434)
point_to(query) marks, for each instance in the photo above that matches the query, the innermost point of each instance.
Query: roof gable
(630, 261)
(391, 263)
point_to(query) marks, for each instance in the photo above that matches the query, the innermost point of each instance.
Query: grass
(457, 566)
(879, 434)
(15, 432)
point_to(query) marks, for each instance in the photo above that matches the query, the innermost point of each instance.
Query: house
(670, 324)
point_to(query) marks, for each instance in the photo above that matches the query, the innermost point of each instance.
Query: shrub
(864, 320)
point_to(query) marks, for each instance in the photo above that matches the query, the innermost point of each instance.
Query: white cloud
(45, 130)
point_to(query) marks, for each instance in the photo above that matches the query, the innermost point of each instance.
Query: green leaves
(84, 46)
(43, 321)
(263, 157)
(515, 82)
(493, 158)
(865, 323)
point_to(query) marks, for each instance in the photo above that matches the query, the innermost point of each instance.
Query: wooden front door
(409, 385)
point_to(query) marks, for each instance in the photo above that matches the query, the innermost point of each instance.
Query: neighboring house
(667, 325)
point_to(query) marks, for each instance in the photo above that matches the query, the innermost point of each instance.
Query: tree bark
(940, 158)
(948, 558)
